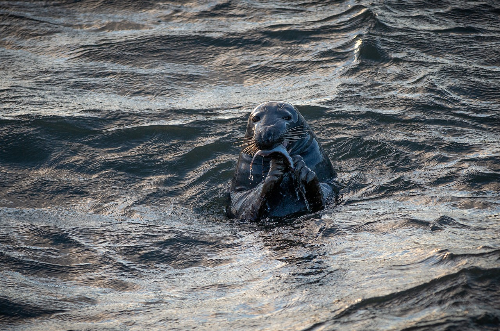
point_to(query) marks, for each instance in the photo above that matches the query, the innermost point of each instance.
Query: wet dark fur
(269, 187)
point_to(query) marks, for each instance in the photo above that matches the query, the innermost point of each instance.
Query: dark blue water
(119, 130)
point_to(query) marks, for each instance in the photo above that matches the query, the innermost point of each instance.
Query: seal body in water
(281, 170)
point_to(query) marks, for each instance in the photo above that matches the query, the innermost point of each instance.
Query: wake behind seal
(282, 170)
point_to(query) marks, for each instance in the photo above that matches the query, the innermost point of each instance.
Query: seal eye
(255, 119)
(287, 117)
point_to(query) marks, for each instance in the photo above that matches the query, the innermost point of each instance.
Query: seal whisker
(250, 148)
(295, 135)
(246, 143)
(300, 127)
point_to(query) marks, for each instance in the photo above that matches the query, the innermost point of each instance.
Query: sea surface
(120, 123)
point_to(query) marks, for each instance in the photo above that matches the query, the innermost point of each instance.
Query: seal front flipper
(309, 186)
(252, 204)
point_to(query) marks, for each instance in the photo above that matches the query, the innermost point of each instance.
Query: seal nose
(267, 138)
(267, 142)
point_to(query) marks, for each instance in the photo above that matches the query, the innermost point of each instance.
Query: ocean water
(119, 130)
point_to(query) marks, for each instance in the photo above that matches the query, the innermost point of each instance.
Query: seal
(282, 170)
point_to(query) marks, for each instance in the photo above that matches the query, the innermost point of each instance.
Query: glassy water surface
(119, 130)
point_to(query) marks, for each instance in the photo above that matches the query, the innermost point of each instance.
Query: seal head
(281, 170)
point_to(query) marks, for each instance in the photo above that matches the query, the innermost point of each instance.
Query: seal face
(281, 170)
